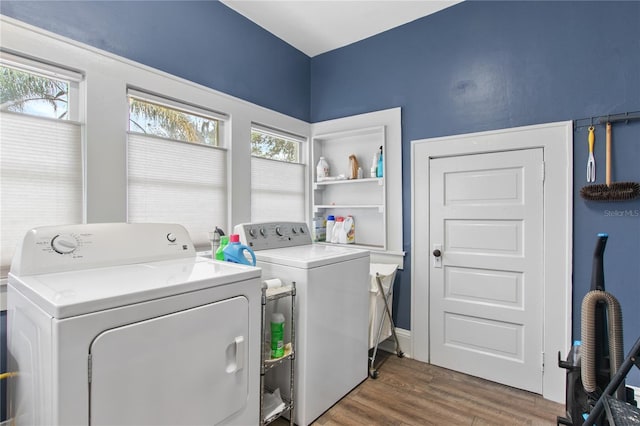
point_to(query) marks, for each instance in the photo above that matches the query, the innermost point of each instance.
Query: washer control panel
(270, 235)
(61, 248)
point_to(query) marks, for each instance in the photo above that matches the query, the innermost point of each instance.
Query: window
(153, 115)
(176, 171)
(40, 150)
(277, 176)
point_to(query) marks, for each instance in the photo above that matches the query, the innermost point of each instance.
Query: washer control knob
(263, 232)
(64, 244)
(293, 229)
(302, 229)
(278, 231)
(252, 232)
(171, 237)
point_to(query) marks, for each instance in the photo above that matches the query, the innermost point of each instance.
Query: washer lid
(67, 294)
(310, 256)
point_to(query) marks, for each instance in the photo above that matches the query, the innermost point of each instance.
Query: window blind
(277, 190)
(177, 182)
(41, 177)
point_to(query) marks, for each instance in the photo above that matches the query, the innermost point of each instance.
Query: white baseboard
(404, 339)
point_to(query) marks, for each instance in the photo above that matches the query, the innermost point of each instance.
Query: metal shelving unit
(267, 364)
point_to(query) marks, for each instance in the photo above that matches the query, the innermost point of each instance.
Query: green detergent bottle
(277, 335)
(224, 241)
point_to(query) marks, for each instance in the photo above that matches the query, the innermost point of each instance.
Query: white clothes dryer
(114, 324)
(332, 311)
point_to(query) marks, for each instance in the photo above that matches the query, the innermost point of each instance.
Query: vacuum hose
(588, 350)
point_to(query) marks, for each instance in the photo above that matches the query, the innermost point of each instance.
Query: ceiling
(318, 26)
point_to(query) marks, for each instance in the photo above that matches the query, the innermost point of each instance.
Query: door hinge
(89, 367)
(542, 367)
(542, 171)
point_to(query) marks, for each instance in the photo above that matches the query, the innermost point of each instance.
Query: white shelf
(378, 207)
(350, 133)
(379, 181)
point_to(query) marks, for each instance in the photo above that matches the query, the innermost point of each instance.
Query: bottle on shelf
(374, 165)
(338, 228)
(331, 221)
(277, 335)
(319, 229)
(349, 230)
(379, 167)
(322, 170)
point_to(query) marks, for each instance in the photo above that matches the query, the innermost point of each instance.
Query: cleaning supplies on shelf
(277, 335)
(235, 252)
(331, 221)
(338, 228)
(219, 254)
(379, 167)
(349, 230)
(319, 229)
(322, 170)
(374, 165)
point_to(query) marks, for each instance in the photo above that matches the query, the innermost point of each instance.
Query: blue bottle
(380, 163)
(235, 252)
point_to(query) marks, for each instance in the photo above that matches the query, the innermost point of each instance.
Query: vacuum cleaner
(593, 362)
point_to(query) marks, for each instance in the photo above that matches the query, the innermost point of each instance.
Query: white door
(486, 282)
(189, 367)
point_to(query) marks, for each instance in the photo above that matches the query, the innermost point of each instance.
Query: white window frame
(261, 209)
(54, 209)
(180, 206)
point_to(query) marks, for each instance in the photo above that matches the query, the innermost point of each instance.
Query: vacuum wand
(597, 272)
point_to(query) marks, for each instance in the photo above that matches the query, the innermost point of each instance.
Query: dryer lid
(71, 293)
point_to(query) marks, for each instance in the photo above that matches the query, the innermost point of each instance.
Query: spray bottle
(380, 164)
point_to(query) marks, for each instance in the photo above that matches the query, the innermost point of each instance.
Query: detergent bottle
(277, 335)
(235, 251)
(219, 254)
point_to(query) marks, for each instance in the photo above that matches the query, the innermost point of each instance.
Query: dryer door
(188, 367)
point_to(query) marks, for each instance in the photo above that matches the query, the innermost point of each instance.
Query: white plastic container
(349, 227)
(319, 230)
(322, 170)
(331, 221)
(338, 229)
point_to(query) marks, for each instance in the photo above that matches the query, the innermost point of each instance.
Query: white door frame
(556, 140)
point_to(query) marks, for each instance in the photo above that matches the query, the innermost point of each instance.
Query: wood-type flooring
(408, 392)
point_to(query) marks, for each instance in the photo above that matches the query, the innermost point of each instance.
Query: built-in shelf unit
(374, 202)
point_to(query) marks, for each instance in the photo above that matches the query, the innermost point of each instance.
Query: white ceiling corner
(318, 26)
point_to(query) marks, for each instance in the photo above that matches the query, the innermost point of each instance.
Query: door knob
(437, 253)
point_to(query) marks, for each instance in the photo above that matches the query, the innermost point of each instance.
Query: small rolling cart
(272, 404)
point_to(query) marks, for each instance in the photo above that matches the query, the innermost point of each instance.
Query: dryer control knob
(263, 232)
(278, 231)
(171, 237)
(64, 244)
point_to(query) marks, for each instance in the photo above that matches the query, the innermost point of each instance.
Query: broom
(612, 191)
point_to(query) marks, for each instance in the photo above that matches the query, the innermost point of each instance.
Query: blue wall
(202, 41)
(490, 65)
(473, 67)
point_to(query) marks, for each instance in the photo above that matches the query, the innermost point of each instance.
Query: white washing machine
(112, 324)
(332, 311)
